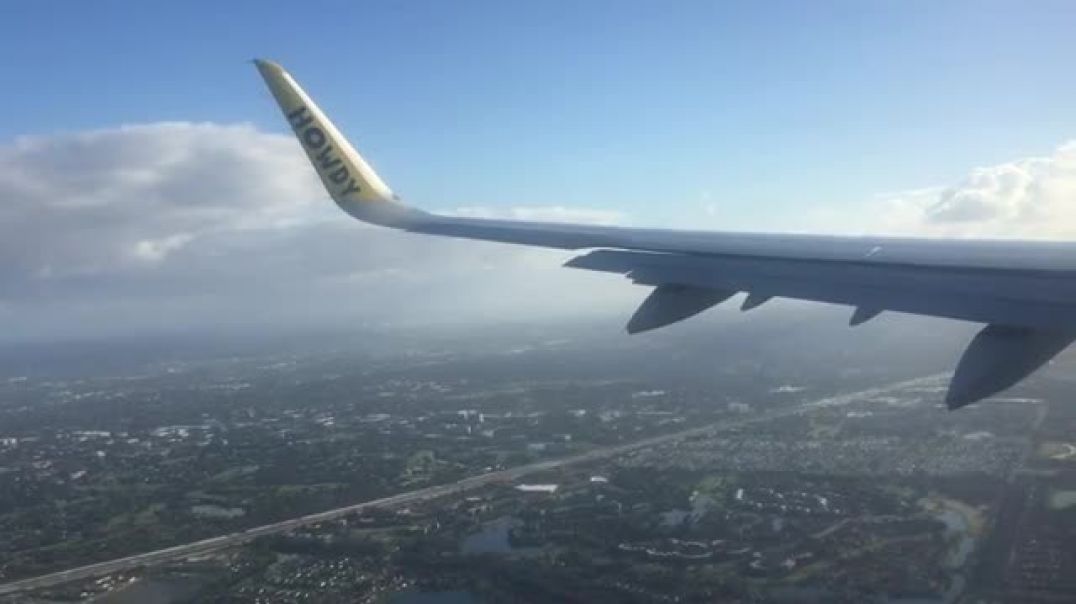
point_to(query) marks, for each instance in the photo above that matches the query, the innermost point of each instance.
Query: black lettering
(326, 159)
(313, 137)
(350, 188)
(339, 176)
(299, 118)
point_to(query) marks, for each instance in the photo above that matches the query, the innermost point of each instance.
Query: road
(213, 544)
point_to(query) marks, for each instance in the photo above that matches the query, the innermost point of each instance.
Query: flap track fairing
(754, 300)
(669, 303)
(1000, 356)
(863, 314)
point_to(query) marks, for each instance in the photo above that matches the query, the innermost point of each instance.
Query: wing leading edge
(1024, 291)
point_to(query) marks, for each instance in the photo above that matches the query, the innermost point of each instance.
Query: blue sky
(654, 109)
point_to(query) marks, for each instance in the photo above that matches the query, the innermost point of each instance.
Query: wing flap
(1008, 299)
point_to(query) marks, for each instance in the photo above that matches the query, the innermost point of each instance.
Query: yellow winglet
(350, 181)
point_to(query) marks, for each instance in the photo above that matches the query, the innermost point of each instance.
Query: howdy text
(324, 155)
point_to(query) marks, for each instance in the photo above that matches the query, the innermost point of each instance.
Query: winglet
(350, 181)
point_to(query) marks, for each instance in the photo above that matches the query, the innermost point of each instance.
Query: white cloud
(97, 201)
(155, 250)
(164, 225)
(1031, 198)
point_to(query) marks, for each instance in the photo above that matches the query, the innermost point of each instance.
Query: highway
(206, 546)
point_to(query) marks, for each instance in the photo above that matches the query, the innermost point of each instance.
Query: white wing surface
(1025, 292)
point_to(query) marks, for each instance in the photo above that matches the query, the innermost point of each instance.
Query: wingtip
(265, 65)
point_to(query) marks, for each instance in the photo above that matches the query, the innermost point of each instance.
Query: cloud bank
(184, 225)
(1030, 198)
(177, 225)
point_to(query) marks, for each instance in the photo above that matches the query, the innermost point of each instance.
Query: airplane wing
(1025, 292)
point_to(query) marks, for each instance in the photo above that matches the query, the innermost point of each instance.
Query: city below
(531, 468)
